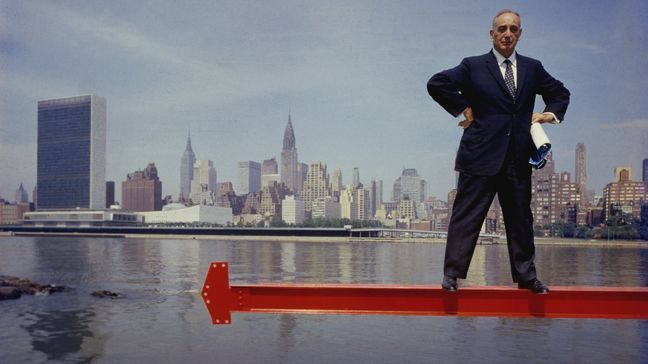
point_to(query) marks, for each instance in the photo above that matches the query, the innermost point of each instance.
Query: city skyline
(351, 76)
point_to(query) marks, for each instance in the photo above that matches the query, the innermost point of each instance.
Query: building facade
(581, 169)
(142, 190)
(316, 184)
(289, 158)
(410, 185)
(71, 156)
(623, 197)
(293, 210)
(203, 184)
(249, 177)
(186, 171)
(325, 207)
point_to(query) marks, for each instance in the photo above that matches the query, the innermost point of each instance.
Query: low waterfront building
(81, 218)
(180, 214)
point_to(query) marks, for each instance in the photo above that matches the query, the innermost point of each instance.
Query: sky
(352, 75)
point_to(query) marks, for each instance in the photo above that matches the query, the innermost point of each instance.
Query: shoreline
(345, 239)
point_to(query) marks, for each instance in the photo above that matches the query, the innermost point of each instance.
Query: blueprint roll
(542, 146)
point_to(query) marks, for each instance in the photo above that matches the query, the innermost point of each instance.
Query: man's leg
(474, 196)
(514, 193)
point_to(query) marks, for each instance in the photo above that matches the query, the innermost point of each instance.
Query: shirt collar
(500, 58)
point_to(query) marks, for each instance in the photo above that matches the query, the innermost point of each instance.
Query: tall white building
(316, 184)
(292, 210)
(249, 178)
(348, 209)
(203, 184)
(362, 203)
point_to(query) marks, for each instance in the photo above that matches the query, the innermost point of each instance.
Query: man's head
(506, 32)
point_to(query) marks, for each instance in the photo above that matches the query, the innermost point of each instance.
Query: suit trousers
(474, 197)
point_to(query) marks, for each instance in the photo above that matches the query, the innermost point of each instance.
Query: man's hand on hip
(468, 118)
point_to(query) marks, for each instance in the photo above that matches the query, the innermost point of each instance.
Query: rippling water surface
(161, 317)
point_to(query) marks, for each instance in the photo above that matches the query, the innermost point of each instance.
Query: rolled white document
(542, 146)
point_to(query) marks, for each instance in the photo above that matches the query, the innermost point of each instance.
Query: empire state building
(289, 158)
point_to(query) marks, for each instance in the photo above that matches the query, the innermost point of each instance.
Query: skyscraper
(289, 158)
(71, 157)
(375, 195)
(249, 177)
(581, 170)
(336, 184)
(21, 195)
(142, 190)
(316, 184)
(645, 170)
(410, 185)
(186, 170)
(203, 184)
(356, 177)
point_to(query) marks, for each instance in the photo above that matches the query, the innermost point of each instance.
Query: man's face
(505, 33)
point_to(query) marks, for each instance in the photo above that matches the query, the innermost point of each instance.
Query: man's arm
(445, 88)
(555, 96)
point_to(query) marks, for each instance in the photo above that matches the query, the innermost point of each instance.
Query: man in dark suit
(496, 93)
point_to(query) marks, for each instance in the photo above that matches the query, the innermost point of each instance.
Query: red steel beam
(386, 299)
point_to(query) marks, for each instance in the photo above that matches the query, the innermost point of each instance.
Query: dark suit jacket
(478, 82)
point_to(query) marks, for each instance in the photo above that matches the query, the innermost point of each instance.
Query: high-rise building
(186, 170)
(375, 195)
(316, 184)
(71, 157)
(269, 166)
(410, 185)
(348, 209)
(142, 190)
(336, 184)
(325, 207)
(362, 201)
(271, 197)
(292, 210)
(289, 158)
(21, 195)
(581, 166)
(203, 184)
(356, 177)
(110, 193)
(302, 174)
(249, 177)
(624, 196)
(645, 171)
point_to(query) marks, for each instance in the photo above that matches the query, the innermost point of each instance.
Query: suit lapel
(493, 68)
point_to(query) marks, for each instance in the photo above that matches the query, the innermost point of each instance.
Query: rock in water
(9, 293)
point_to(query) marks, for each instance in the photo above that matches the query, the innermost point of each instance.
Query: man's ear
(491, 34)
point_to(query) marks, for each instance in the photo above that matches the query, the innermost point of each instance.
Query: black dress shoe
(449, 284)
(534, 286)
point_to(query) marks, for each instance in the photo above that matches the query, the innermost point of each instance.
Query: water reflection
(64, 334)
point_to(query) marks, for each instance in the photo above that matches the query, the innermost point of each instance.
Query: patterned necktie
(508, 78)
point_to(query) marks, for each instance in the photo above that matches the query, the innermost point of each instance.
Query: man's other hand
(468, 118)
(541, 118)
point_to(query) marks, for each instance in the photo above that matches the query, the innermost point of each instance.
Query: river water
(162, 319)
